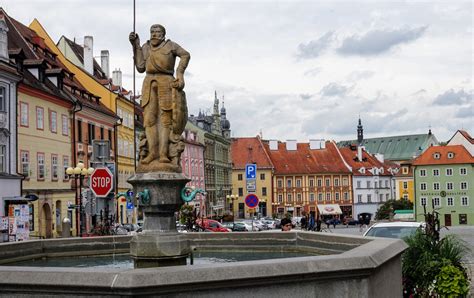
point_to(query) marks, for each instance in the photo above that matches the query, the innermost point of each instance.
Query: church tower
(360, 133)
(225, 124)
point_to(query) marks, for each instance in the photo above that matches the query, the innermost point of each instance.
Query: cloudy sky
(298, 69)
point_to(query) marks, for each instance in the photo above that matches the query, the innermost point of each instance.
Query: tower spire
(360, 132)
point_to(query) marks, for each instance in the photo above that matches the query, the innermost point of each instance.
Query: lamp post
(231, 199)
(79, 172)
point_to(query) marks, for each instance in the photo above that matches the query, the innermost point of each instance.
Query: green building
(444, 179)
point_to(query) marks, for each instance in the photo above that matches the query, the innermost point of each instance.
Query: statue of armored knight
(163, 100)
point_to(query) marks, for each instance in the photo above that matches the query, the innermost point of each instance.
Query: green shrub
(451, 282)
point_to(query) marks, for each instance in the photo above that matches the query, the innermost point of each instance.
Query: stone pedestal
(159, 244)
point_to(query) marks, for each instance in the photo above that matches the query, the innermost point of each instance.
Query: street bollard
(66, 225)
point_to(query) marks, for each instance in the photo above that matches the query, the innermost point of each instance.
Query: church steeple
(360, 132)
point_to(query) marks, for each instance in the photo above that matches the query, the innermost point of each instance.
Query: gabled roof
(403, 147)
(79, 52)
(249, 150)
(368, 162)
(438, 155)
(305, 160)
(465, 134)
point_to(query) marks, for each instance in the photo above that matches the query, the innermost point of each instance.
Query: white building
(10, 181)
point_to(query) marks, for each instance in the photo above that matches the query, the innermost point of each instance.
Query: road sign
(101, 182)
(251, 185)
(251, 171)
(129, 205)
(130, 193)
(251, 200)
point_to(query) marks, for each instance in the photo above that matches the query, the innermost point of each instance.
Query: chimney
(359, 153)
(117, 77)
(3, 39)
(273, 144)
(89, 54)
(323, 144)
(314, 144)
(379, 157)
(104, 62)
(291, 145)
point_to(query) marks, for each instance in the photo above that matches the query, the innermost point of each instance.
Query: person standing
(286, 225)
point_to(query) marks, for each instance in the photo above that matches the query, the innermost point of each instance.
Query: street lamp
(79, 172)
(231, 199)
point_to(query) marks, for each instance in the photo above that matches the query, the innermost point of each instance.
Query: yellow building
(250, 151)
(404, 182)
(93, 78)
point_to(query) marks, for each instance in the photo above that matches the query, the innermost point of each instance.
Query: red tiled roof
(461, 156)
(305, 160)
(467, 136)
(249, 150)
(368, 162)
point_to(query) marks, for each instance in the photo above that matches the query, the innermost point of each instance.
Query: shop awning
(329, 209)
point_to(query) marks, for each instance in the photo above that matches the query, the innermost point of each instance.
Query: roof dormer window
(436, 155)
(450, 155)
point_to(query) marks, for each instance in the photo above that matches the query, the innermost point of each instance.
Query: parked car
(353, 222)
(211, 225)
(333, 221)
(271, 224)
(399, 229)
(132, 228)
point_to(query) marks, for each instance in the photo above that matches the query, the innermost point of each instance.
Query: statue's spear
(134, 97)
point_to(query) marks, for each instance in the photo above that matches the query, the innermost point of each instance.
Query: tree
(390, 206)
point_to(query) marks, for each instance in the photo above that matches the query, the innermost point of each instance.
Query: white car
(399, 229)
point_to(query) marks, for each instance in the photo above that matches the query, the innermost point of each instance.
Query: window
(345, 182)
(298, 197)
(320, 182)
(279, 183)
(387, 196)
(435, 172)
(423, 186)
(405, 185)
(65, 125)
(436, 202)
(328, 182)
(101, 132)
(436, 185)
(3, 158)
(311, 197)
(298, 182)
(369, 198)
(336, 182)
(463, 219)
(346, 196)
(449, 185)
(423, 173)
(240, 177)
(436, 155)
(449, 202)
(241, 191)
(336, 196)
(386, 183)
(450, 155)
(405, 196)
(359, 198)
(280, 198)
(375, 184)
(40, 170)
(289, 198)
(24, 114)
(262, 176)
(53, 121)
(320, 197)
(463, 185)
(423, 201)
(25, 163)
(463, 171)
(79, 131)
(464, 201)
(311, 182)
(288, 183)
(328, 196)
(358, 184)
(109, 136)
(65, 166)
(449, 172)
(368, 184)
(3, 100)
(381, 197)
(264, 191)
(91, 133)
(39, 118)
(54, 167)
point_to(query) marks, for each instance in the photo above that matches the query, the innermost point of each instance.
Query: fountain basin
(349, 267)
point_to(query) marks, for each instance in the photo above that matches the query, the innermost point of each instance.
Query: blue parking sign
(251, 171)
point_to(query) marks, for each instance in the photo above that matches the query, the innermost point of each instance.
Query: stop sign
(101, 182)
